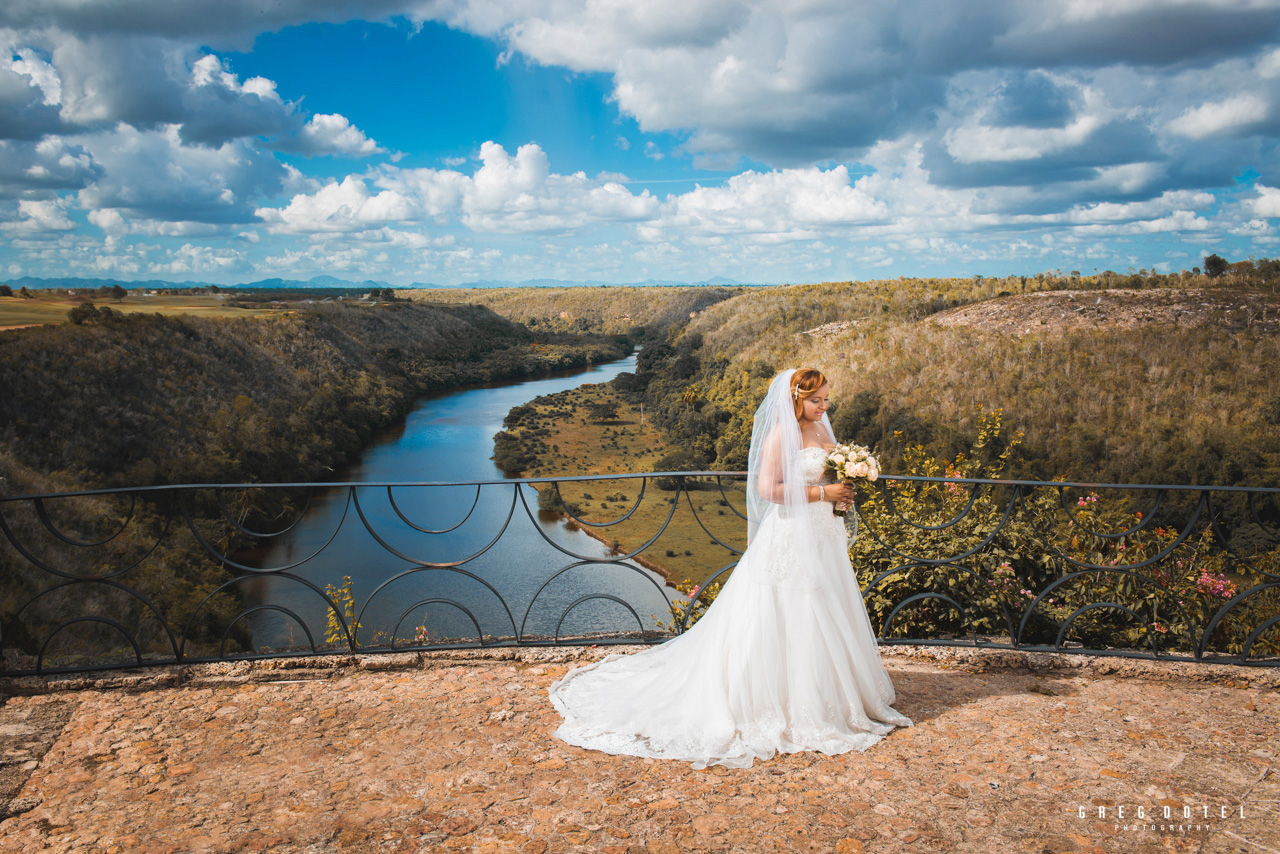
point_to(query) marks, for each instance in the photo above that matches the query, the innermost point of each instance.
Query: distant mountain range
(331, 282)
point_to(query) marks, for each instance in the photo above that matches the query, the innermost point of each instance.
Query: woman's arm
(771, 485)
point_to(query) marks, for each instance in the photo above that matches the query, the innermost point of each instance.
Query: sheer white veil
(775, 468)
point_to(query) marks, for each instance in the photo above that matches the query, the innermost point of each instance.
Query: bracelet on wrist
(822, 492)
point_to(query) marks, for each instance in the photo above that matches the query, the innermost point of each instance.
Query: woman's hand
(840, 494)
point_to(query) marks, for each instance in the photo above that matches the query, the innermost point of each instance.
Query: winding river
(448, 437)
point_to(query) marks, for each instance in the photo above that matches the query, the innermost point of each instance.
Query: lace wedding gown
(785, 660)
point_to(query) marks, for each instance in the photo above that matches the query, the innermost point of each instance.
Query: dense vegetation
(651, 311)
(1147, 404)
(143, 400)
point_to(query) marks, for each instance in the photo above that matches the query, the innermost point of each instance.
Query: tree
(83, 313)
(6, 291)
(1214, 265)
(24, 293)
(603, 411)
(118, 293)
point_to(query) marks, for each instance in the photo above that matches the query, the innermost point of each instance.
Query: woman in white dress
(785, 659)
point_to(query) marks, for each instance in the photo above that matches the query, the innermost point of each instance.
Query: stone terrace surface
(431, 753)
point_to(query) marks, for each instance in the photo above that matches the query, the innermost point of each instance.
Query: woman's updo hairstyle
(805, 382)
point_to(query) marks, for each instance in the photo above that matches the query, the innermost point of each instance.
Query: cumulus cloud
(787, 204)
(1267, 204)
(505, 194)
(153, 175)
(38, 217)
(26, 109)
(338, 207)
(330, 133)
(1220, 118)
(49, 165)
(217, 107)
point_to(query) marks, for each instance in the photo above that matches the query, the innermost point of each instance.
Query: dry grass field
(18, 312)
(574, 444)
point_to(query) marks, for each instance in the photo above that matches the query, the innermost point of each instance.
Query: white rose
(849, 469)
(838, 459)
(861, 470)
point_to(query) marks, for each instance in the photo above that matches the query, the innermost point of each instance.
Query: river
(448, 437)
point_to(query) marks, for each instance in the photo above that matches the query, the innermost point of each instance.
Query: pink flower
(694, 592)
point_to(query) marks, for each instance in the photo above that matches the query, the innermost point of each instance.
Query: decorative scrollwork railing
(129, 577)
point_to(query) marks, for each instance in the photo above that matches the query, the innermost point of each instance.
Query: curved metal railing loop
(973, 498)
(364, 520)
(261, 535)
(1091, 572)
(647, 575)
(414, 570)
(52, 529)
(1014, 501)
(693, 508)
(334, 609)
(1207, 635)
(39, 563)
(133, 642)
(1257, 633)
(108, 582)
(395, 632)
(1144, 520)
(564, 508)
(227, 560)
(975, 574)
(1182, 537)
(475, 502)
(222, 642)
(590, 558)
(1106, 606)
(592, 596)
(727, 502)
(921, 597)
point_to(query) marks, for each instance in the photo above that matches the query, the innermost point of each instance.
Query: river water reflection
(446, 438)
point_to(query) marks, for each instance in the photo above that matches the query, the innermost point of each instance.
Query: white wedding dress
(785, 660)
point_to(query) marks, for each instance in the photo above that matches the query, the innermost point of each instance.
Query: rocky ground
(1010, 753)
(1125, 308)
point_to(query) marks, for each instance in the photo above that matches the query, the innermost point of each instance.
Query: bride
(785, 659)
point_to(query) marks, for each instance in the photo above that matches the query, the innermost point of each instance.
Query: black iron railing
(195, 573)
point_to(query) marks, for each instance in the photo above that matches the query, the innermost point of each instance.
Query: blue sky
(449, 141)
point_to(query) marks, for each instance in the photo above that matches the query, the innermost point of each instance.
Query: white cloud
(506, 194)
(331, 133)
(1267, 204)
(781, 205)
(190, 258)
(154, 175)
(337, 207)
(1223, 117)
(42, 74)
(46, 166)
(977, 143)
(38, 218)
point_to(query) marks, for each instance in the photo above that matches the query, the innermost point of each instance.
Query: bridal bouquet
(849, 462)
